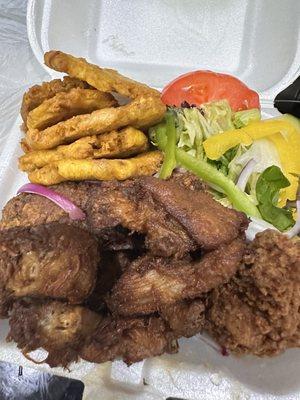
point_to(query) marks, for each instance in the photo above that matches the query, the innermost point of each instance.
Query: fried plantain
(104, 169)
(116, 144)
(65, 105)
(103, 79)
(141, 113)
(39, 93)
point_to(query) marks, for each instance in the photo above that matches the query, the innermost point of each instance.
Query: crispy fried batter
(77, 170)
(116, 144)
(258, 311)
(60, 329)
(131, 339)
(65, 105)
(54, 260)
(39, 93)
(103, 79)
(141, 113)
(25, 146)
(152, 283)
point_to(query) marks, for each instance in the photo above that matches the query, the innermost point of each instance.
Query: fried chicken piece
(257, 312)
(131, 339)
(185, 318)
(65, 105)
(104, 169)
(141, 113)
(150, 283)
(57, 327)
(116, 144)
(53, 260)
(37, 94)
(207, 221)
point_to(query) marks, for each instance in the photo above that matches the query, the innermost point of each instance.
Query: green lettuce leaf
(195, 124)
(268, 186)
(245, 117)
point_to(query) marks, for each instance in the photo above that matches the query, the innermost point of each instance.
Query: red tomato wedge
(200, 87)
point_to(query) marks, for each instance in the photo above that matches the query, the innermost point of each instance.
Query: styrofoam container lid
(154, 41)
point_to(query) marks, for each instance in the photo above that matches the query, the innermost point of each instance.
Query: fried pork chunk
(52, 260)
(57, 327)
(257, 312)
(68, 332)
(172, 223)
(184, 318)
(207, 221)
(150, 283)
(108, 272)
(131, 339)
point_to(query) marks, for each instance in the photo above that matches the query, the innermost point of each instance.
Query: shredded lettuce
(181, 135)
(195, 124)
(208, 173)
(245, 117)
(268, 186)
(262, 151)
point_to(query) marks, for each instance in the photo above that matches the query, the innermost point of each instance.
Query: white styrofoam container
(154, 41)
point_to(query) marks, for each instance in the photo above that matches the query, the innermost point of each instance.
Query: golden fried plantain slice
(65, 105)
(103, 79)
(39, 93)
(116, 144)
(141, 113)
(77, 170)
(25, 146)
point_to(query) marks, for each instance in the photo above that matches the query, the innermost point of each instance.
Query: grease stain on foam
(116, 44)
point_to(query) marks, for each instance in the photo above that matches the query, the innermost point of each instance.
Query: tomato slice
(200, 87)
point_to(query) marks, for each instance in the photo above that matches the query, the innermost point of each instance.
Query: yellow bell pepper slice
(290, 192)
(216, 145)
(284, 133)
(288, 147)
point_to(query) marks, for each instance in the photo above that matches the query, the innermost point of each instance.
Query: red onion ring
(75, 213)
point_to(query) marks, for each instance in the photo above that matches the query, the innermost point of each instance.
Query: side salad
(213, 127)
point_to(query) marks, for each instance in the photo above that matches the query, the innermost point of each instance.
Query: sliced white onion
(295, 230)
(256, 226)
(75, 213)
(245, 174)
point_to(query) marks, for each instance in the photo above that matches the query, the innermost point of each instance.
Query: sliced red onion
(295, 230)
(213, 345)
(75, 213)
(245, 174)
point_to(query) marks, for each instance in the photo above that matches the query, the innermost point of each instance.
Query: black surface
(288, 101)
(18, 383)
